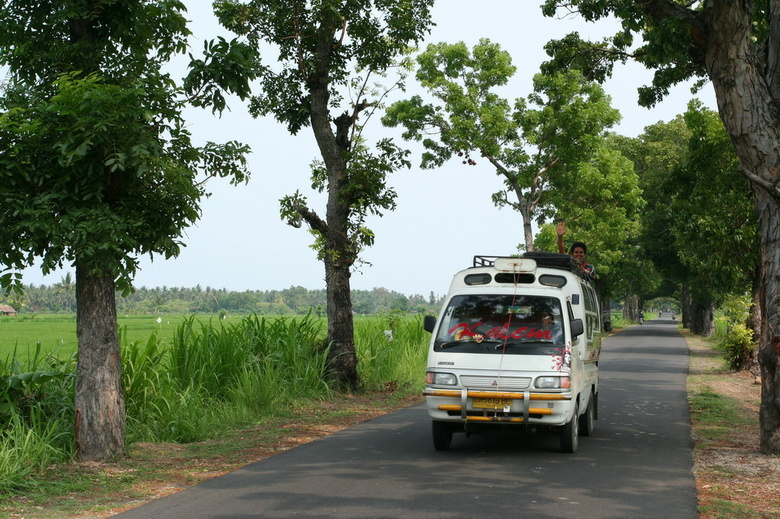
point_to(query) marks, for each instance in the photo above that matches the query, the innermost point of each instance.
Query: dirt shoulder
(734, 480)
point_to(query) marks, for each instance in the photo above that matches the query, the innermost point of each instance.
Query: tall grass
(213, 358)
(29, 446)
(36, 417)
(391, 352)
(220, 375)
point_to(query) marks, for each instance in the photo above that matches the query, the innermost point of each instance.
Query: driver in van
(483, 319)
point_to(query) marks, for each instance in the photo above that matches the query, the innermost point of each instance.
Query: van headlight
(552, 383)
(435, 378)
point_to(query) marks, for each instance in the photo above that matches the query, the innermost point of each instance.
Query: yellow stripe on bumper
(457, 408)
(454, 393)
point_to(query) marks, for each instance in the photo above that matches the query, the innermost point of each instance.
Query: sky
(444, 216)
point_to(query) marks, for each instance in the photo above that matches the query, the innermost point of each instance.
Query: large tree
(328, 55)
(547, 148)
(736, 45)
(96, 169)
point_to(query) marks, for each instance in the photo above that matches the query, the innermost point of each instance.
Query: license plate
(491, 403)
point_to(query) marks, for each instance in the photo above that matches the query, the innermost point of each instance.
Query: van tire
(587, 418)
(442, 435)
(570, 433)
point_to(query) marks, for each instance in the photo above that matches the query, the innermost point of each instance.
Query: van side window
(570, 311)
(592, 322)
(594, 308)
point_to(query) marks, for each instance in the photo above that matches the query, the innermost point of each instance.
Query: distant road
(637, 464)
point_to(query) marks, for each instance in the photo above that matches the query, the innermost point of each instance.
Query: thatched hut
(7, 310)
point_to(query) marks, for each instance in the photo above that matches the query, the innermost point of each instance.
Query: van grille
(494, 383)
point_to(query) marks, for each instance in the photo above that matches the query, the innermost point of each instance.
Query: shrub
(738, 344)
(734, 337)
(36, 417)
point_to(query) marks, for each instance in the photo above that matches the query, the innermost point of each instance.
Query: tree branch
(313, 219)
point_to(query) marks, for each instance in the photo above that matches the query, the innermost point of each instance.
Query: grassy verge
(734, 480)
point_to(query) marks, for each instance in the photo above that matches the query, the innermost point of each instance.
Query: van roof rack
(543, 259)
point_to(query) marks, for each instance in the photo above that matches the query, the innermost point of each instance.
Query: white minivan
(516, 344)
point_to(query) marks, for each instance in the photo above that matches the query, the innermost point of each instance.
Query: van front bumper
(508, 407)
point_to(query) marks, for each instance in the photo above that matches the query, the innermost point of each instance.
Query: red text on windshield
(501, 332)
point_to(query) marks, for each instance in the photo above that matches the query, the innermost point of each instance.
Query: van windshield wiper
(471, 340)
(516, 342)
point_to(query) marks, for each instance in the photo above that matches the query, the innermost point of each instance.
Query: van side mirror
(577, 328)
(429, 323)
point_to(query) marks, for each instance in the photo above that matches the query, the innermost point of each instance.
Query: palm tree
(65, 293)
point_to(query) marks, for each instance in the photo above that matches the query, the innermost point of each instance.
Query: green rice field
(57, 333)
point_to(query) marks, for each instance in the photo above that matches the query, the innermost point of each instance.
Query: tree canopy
(97, 162)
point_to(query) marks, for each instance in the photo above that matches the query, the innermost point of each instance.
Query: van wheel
(570, 433)
(587, 418)
(442, 435)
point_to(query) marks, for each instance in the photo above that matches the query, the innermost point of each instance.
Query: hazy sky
(444, 217)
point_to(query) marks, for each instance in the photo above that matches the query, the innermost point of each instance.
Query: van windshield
(502, 324)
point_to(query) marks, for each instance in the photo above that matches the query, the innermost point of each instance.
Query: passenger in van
(549, 323)
(578, 250)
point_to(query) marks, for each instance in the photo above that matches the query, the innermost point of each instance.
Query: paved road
(637, 463)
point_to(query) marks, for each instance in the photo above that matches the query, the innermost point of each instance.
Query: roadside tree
(659, 149)
(96, 169)
(736, 45)
(328, 54)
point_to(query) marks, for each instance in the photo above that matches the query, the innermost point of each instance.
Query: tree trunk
(685, 318)
(528, 233)
(747, 89)
(339, 252)
(629, 307)
(100, 404)
(755, 321)
(703, 318)
(342, 357)
(769, 343)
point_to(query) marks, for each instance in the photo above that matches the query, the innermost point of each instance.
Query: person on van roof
(578, 250)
